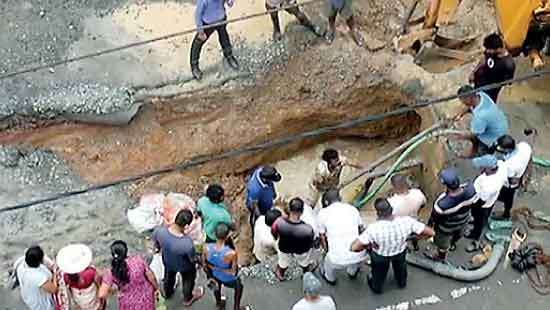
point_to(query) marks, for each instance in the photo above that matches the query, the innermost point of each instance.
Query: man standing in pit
(488, 185)
(295, 239)
(327, 175)
(496, 66)
(518, 161)
(450, 213)
(406, 201)
(387, 240)
(293, 9)
(345, 9)
(209, 12)
(488, 121)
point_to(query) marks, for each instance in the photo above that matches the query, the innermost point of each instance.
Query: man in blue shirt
(261, 192)
(488, 121)
(344, 8)
(209, 12)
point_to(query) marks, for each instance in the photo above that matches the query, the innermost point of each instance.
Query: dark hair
(183, 218)
(222, 231)
(329, 154)
(296, 205)
(465, 91)
(399, 180)
(506, 142)
(34, 256)
(119, 268)
(383, 207)
(271, 216)
(329, 197)
(215, 193)
(493, 41)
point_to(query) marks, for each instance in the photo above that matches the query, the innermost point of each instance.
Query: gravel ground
(27, 174)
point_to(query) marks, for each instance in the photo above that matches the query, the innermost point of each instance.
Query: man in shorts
(344, 9)
(291, 7)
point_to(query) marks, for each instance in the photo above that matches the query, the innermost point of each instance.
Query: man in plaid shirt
(387, 241)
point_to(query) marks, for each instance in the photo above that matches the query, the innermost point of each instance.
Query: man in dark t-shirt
(451, 212)
(295, 239)
(496, 66)
(178, 256)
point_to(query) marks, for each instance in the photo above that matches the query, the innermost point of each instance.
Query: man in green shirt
(213, 211)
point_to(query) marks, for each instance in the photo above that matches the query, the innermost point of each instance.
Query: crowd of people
(318, 220)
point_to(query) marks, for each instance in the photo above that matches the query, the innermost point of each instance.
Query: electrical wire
(200, 160)
(149, 41)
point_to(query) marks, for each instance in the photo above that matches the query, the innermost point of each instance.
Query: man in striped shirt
(387, 240)
(451, 212)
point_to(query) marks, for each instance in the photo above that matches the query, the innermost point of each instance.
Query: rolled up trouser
(330, 269)
(223, 37)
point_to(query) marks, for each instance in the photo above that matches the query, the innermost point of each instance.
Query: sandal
(197, 294)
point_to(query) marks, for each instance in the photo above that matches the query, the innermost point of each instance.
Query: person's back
(495, 70)
(488, 121)
(31, 281)
(452, 211)
(407, 204)
(264, 242)
(294, 237)
(321, 303)
(212, 214)
(390, 236)
(177, 251)
(341, 222)
(217, 258)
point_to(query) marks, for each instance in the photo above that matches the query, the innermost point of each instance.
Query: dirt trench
(168, 132)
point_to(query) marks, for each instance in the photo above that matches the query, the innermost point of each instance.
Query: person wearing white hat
(81, 278)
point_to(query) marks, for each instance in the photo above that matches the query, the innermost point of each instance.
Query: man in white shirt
(339, 225)
(36, 280)
(487, 185)
(264, 243)
(387, 241)
(405, 201)
(313, 300)
(518, 159)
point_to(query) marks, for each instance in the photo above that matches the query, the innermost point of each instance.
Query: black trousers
(223, 37)
(380, 266)
(300, 16)
(481, 219)
(507, 195)
(188, 283)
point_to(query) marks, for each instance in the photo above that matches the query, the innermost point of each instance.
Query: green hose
(541, 162)
(393, 168)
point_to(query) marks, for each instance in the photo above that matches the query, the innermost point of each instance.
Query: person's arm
(363, 242)
(104, 291)
(527, 176)
(204, 258)
(255, 208)
(275, 230)
(50, 286)
(232, 258)
(199, 11)
(324, 242)
(151, 277)
(478, 126)
(426, 233)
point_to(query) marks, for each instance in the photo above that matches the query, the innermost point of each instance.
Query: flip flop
(196, 296)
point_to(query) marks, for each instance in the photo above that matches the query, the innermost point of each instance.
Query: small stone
(51, 70)
(42, 13)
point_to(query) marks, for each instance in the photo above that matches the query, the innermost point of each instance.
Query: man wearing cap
(387, 241)
(487, 185)
(451, 212)
(518, 160)
(261, 192)
(313, 300)
(340, 224)
(488, 121)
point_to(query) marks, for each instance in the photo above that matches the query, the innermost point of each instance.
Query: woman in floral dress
(136, 283)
